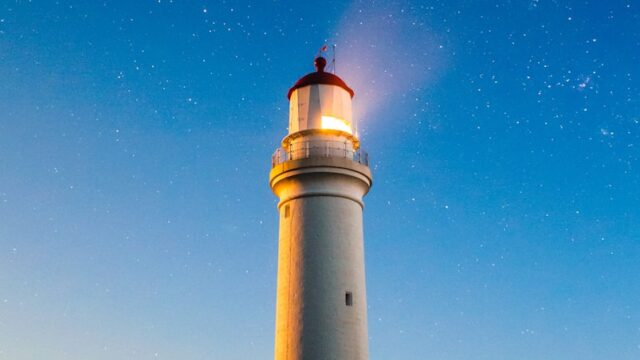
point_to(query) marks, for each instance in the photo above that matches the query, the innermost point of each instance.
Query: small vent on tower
(286, 211)
(348, 298)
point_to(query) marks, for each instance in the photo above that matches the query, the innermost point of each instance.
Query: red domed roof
(320, 77)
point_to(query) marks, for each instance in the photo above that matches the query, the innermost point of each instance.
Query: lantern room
(320, 102)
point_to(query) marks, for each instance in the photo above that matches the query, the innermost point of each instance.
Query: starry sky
(136, 220)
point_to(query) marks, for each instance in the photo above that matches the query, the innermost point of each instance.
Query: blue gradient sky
(136, 221)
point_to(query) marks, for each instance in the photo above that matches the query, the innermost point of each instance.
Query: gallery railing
(311, 149)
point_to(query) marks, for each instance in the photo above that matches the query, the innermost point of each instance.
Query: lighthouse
(320, 176)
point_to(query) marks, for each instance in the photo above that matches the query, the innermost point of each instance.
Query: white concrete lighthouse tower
(320, 176)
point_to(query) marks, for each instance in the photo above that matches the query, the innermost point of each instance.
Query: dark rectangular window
(286, 211)
(348, 298)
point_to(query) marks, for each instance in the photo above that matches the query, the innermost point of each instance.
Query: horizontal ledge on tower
(335, 165)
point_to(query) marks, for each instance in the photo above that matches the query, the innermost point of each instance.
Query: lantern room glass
(321, 106)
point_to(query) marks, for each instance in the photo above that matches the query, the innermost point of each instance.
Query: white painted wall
(321, 257)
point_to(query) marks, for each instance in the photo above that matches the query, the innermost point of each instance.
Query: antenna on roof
(333, 61)
(323, 49)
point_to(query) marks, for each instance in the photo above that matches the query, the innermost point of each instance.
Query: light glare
(330, 122)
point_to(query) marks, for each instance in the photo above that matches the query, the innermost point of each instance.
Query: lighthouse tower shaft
(320, 177)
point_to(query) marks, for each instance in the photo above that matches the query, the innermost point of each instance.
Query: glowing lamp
(334, 123)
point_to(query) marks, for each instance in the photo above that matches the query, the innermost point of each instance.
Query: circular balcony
(319, 149)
